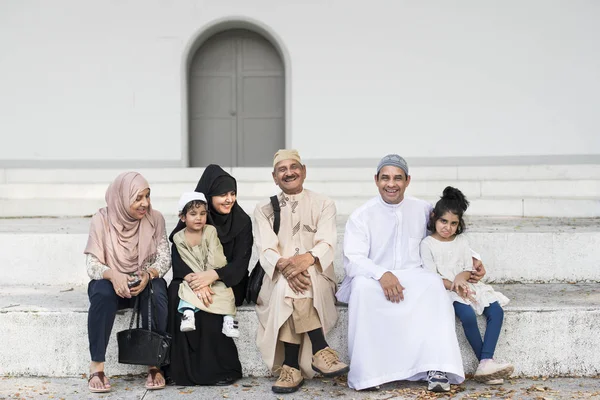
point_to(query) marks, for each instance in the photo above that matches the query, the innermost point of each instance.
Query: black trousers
(104, 304)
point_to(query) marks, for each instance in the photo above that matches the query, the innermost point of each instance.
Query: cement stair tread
(47, 329)
(524, 297)
(80, 225)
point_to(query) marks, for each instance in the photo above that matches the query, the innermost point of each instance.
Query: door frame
(201, 36)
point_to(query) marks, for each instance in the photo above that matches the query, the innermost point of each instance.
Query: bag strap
(151, 298)
(136, 311)
(137, 306)
(276, 213)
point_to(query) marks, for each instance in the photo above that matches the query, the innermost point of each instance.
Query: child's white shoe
(230, 327)
(188, 321)
(489, 370)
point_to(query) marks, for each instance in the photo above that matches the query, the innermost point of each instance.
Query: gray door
(237, 101)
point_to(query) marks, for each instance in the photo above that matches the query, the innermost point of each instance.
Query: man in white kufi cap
(400, 321)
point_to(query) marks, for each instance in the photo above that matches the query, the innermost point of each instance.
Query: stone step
(168, 175)
(529, 191)
(49, 251)
(336, 189)
(549, 330)
(494, 206)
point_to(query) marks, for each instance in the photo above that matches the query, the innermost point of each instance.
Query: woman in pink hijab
(127, 248)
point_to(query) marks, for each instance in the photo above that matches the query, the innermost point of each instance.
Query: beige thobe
(308, 223)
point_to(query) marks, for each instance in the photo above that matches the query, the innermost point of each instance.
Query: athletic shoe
(188, 321)
(230, 327)
(437, 382)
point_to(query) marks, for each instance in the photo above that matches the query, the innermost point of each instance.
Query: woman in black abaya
(206, 356)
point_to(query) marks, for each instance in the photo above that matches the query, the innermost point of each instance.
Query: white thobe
(395, 341)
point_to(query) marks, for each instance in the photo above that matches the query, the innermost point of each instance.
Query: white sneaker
(230, 327)
(188, 321)
(489, 370)
(437, 381)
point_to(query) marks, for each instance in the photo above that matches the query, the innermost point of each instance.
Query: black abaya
(206, 356)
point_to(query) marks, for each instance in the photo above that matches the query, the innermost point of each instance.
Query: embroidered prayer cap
(190, 196)
(285, 154)
(394, 160)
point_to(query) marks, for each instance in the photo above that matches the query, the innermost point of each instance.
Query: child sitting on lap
(201, 250)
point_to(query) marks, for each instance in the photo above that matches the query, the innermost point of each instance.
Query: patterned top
(161, 262)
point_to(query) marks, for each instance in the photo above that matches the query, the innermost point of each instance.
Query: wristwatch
(316, 259)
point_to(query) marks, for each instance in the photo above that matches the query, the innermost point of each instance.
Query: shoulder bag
(143, 346)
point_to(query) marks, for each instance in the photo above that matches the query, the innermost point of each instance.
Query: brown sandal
(153, 372)
(100, 375)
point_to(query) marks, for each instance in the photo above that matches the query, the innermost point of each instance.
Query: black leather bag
(143, 346)
(258, 273)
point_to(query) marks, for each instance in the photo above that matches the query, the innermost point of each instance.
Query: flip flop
(101, 376)
(153, 372)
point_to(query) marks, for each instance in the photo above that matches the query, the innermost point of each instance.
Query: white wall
(100, 80)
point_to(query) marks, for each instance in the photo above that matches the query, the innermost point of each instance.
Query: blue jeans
(494, 315)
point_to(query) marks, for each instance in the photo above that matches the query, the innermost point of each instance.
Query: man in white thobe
(401, 325)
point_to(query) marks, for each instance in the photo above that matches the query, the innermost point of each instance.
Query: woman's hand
(119, 282)
(205, 294)
(145, 278)
(200, 280)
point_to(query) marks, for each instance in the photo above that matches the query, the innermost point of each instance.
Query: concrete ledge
(364, 172)
(336, 189)
(549, 329)
(494, 206)
(513, 249)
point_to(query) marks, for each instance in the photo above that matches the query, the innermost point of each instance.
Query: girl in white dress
(448, 253)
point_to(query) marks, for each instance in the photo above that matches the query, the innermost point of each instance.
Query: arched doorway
(236, 90)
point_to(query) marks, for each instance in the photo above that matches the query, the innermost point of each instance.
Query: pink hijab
(116, 238)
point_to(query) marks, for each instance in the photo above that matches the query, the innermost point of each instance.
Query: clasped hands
(200, 283)
(294, 270)
(120, 282)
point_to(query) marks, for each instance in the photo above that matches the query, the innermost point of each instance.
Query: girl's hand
(462, 288)
(145, 278)
(205, 294)
(119, 282)
(200, 280)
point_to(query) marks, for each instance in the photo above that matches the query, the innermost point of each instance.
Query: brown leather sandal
(153, 372)
(100, 375)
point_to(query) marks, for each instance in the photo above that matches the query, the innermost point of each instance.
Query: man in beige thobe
(296, 305)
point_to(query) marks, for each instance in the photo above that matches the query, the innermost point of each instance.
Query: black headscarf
(213, 182)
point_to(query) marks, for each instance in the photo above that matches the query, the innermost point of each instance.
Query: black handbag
(258, 273)
(143, 346)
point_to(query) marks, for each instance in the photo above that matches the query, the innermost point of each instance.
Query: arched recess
(236, 96)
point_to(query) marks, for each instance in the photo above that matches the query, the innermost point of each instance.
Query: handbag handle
(136, 309)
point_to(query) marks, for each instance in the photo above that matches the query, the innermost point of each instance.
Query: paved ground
(130, 387)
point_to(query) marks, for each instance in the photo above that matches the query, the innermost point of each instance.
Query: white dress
(448, 259)
(395, 341)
